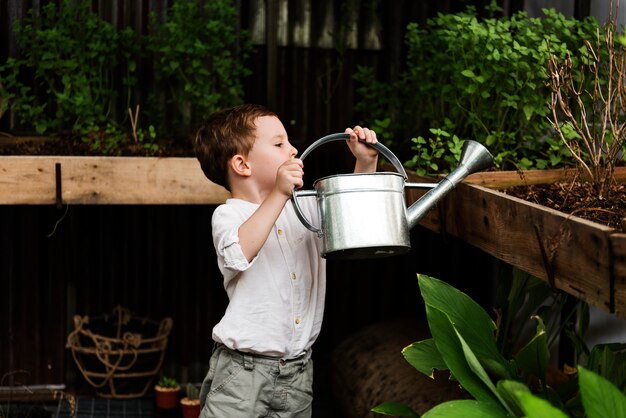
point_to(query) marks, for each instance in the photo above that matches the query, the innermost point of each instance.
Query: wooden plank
(505, 179)
(571, 252)
(618, 243)
(106, 180)
(32, 393)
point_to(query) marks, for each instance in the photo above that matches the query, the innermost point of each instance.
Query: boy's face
(270, 150)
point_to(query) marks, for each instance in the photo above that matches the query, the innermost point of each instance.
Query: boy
(273, 273)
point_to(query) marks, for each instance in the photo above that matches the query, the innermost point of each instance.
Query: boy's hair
(225, 134)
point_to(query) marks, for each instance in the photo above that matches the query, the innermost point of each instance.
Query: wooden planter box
(42, 180)
(582, 258)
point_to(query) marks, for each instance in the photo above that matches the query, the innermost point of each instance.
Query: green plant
(168, 382)
(74, 56)
(488, 76)
(192, 392)
(465, 342)
(84, 73)
(199, 62)
(430, 152)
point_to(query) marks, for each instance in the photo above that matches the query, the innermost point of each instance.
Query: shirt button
(293, 276)
(298, 321)
(280, 232)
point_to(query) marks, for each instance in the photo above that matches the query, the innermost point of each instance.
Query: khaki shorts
(242, 385)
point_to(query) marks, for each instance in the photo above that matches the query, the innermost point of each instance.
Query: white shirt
(276, 301)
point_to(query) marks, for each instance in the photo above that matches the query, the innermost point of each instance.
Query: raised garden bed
(42, 180)
(580, 257)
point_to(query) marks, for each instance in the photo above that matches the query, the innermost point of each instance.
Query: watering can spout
(474, 158)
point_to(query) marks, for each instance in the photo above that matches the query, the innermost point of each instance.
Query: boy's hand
(289, 177)
(366, 156)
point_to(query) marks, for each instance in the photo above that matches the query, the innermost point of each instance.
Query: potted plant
(166, 393)
(191, 402)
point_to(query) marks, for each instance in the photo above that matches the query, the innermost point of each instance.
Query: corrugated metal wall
(158, 260)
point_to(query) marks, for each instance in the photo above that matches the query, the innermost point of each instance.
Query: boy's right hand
(289, 177)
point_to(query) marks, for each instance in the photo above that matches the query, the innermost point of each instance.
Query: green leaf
(466, 409)
(478, 369)
(529, 110)
(474, 364)
(470, 319)
(535, 407)
(535, 355)
(395, 409)
(600, 397)
(451, 350)
(425, 357)
(609, 361)
(507, 390)
(468, 73)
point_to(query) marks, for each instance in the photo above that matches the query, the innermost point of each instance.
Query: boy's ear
(240, 166)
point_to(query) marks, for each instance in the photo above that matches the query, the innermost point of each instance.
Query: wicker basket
(119, 354)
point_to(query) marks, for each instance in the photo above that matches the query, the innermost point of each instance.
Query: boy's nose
(294, 152)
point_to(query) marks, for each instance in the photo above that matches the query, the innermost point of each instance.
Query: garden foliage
(504, 383)
(199, 53)
(480, 79)
(78, 75)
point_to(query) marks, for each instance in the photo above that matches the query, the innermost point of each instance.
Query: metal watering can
(364, 215)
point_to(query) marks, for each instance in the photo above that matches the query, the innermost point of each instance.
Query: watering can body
(364, 215)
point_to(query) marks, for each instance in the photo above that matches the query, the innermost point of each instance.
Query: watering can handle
(330, 138)
(386, 152)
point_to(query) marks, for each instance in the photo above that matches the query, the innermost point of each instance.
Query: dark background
(159, 260)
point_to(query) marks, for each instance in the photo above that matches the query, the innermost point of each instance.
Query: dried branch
(133, 122)
(595, 109)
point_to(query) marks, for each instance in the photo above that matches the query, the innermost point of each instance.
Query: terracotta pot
(191, 408)
(166, 398)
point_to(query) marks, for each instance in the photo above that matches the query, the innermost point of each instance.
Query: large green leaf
(508, 390)
(535, 407)
(425, 357)
(601, 398)
(534, 356)
(478, 369)
(395, 409)
(474, 324)
(451, 350)
(466, 409)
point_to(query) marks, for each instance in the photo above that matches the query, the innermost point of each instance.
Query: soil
(574, 198)
(579, 199)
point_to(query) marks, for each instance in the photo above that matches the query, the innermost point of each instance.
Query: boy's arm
(254, 232)
(366, 156)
